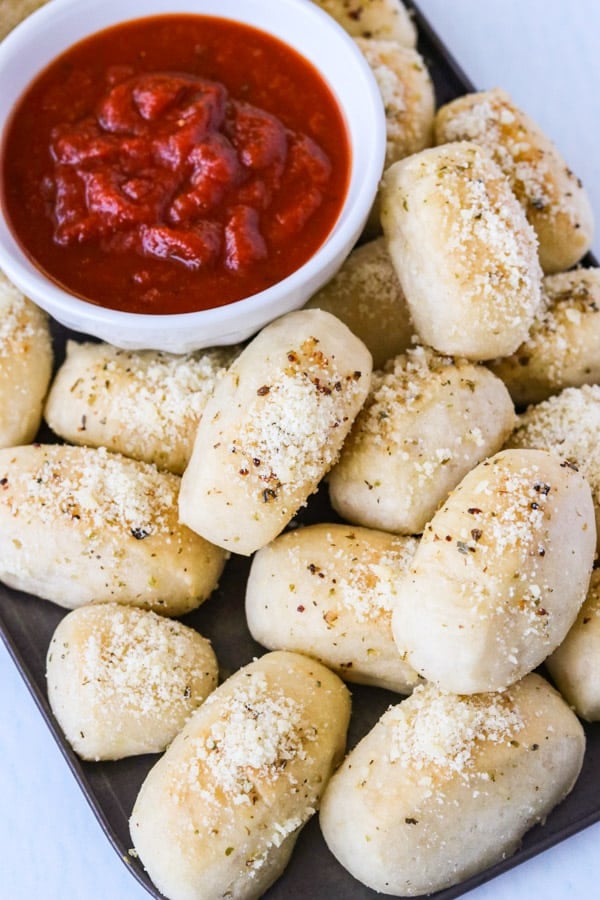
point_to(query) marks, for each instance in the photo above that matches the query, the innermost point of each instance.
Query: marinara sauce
(174, 163)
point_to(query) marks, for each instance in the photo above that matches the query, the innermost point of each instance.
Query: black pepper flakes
(140, 533)
(263, 391)
(568, 464)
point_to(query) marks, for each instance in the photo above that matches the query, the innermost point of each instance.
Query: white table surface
(546, 54)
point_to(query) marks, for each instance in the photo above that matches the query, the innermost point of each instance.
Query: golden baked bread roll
(219, 814)
(499, 575)
(445, 786)
(407, 94)
(567, 425)
(79, 524)
(328, 591)
(408, 102)
(144, 404)
(388, 19)
(273, 428)
(463, 250)
(575, 665)
(563, 347)
(123, 681)
(25, 365)
(366, 295)
(427, 421)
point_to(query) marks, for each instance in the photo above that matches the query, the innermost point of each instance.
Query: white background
(546, 54)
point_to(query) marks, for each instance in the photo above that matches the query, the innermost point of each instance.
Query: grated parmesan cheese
(568, 425)
(359, 576)
(258, 732)
(445, 732)
(144, 404)
(407, 95)
(550, 194)
(123, 681)
(284, 438)
(492, 120)
(21, 322)
(145, 663)
(94, 490)
(416, 437)
(562, 347)
(475, 215)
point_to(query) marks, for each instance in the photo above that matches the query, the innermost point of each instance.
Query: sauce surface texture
(173, 164)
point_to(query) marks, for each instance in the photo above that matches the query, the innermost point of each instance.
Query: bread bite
(14, 11)
(272, 429)
(387, 19)
(500, 573)
(575, 664)
(552, 196)
(445, 785)
(366, 295)
(567, 425)
(562, 348)
(463, 250)
(427, 421)
(123, 681)
(144, 404)
(79, 524)
(328, 591)
(219, 814)
(25, 365)
(408, 102)
(407, 94)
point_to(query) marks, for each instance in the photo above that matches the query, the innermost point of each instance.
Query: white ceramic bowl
(299, 23)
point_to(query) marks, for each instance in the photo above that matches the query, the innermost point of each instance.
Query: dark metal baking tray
(27, 624)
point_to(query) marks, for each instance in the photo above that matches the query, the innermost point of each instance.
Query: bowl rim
(360, 192)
